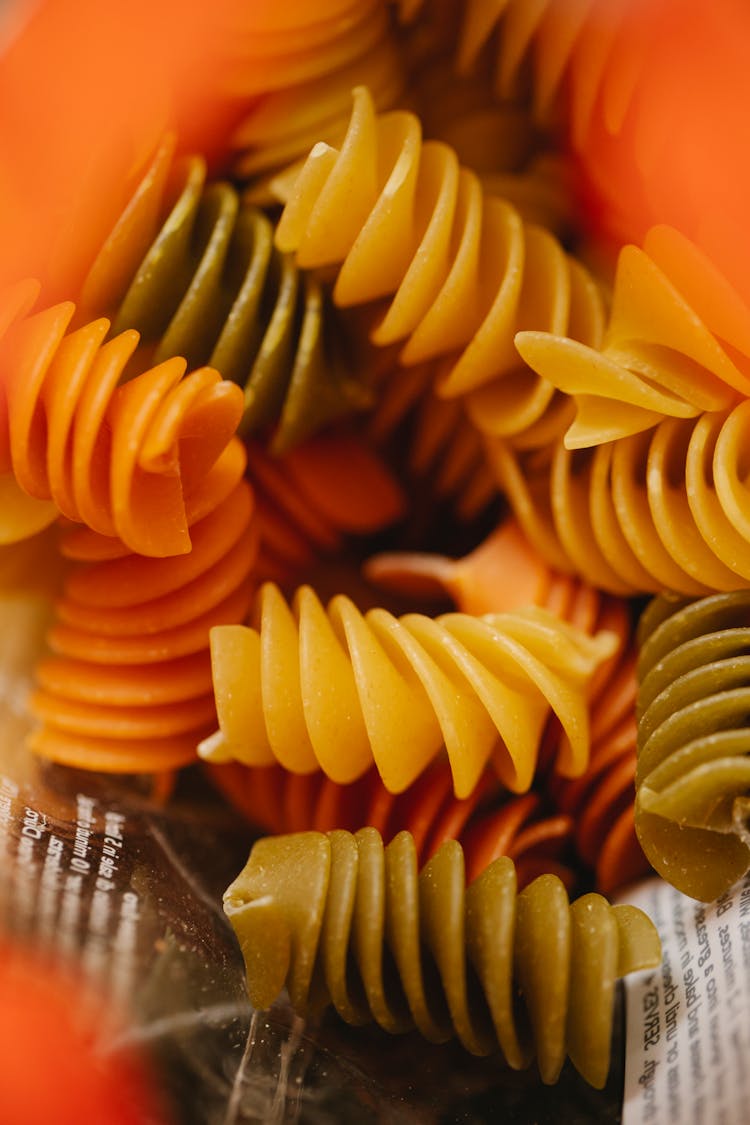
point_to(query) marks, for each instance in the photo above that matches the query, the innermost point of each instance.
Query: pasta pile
(355, 451)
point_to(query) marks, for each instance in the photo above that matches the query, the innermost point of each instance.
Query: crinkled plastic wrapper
(124, 881)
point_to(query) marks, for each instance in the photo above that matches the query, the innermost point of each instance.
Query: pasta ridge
(193, 269)
(128, 685)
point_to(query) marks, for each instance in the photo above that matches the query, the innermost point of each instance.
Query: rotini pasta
(320, 914)
(283, 124)
(195, 272)
(487, 824)
(585, 49)
(444, 454)
(677, 344)
(336, 690)
(462, 270)
(306, 508)
(693, 742)
(118, 457)
(502, 574)
(660, 510)
(129, 687)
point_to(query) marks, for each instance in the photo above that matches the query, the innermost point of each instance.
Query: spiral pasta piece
(337, 690)
(128, 687)
(341, 920)
(195, 272)
(284, 121)
(117, 456)
(693, 741)
(660, 510)
(487, 824)
(444, 454)
(677, 344)
(306, 507)
(502, 574)
(579, 48)
(462, 271)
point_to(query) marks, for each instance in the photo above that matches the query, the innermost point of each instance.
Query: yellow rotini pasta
(677, 344)
(461, 270)
(664, 509)
(341, 920)
(334, 689)
(693, 775)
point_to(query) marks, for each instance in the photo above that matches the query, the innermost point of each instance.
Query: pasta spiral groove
(307, 905)
(693, 774)
(337, 690)
(462, 271)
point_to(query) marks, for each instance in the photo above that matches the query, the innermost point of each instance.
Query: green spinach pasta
(341, 920)
(693, 776)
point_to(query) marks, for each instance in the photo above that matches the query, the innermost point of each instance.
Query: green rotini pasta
(693, 777)
(340, 920)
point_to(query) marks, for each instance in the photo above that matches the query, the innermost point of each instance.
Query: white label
(688, 1022)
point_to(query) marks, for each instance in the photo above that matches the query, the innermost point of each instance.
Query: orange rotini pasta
(315, 913)
(461, 270)
(306, 508)
(128, 688)
(488, 823)
(118, 457)
(333, 689)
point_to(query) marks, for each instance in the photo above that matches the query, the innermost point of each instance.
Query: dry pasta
(195, 272)
(118, 457)
(128, 687)
(676, 345)
(693, 741)
(488, 823)
(462, 271)
(320, 914)
(333, 689)
(659, 510)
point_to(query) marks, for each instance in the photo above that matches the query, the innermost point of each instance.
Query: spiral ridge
(119, 457)
(664, 509)
(128, 687)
